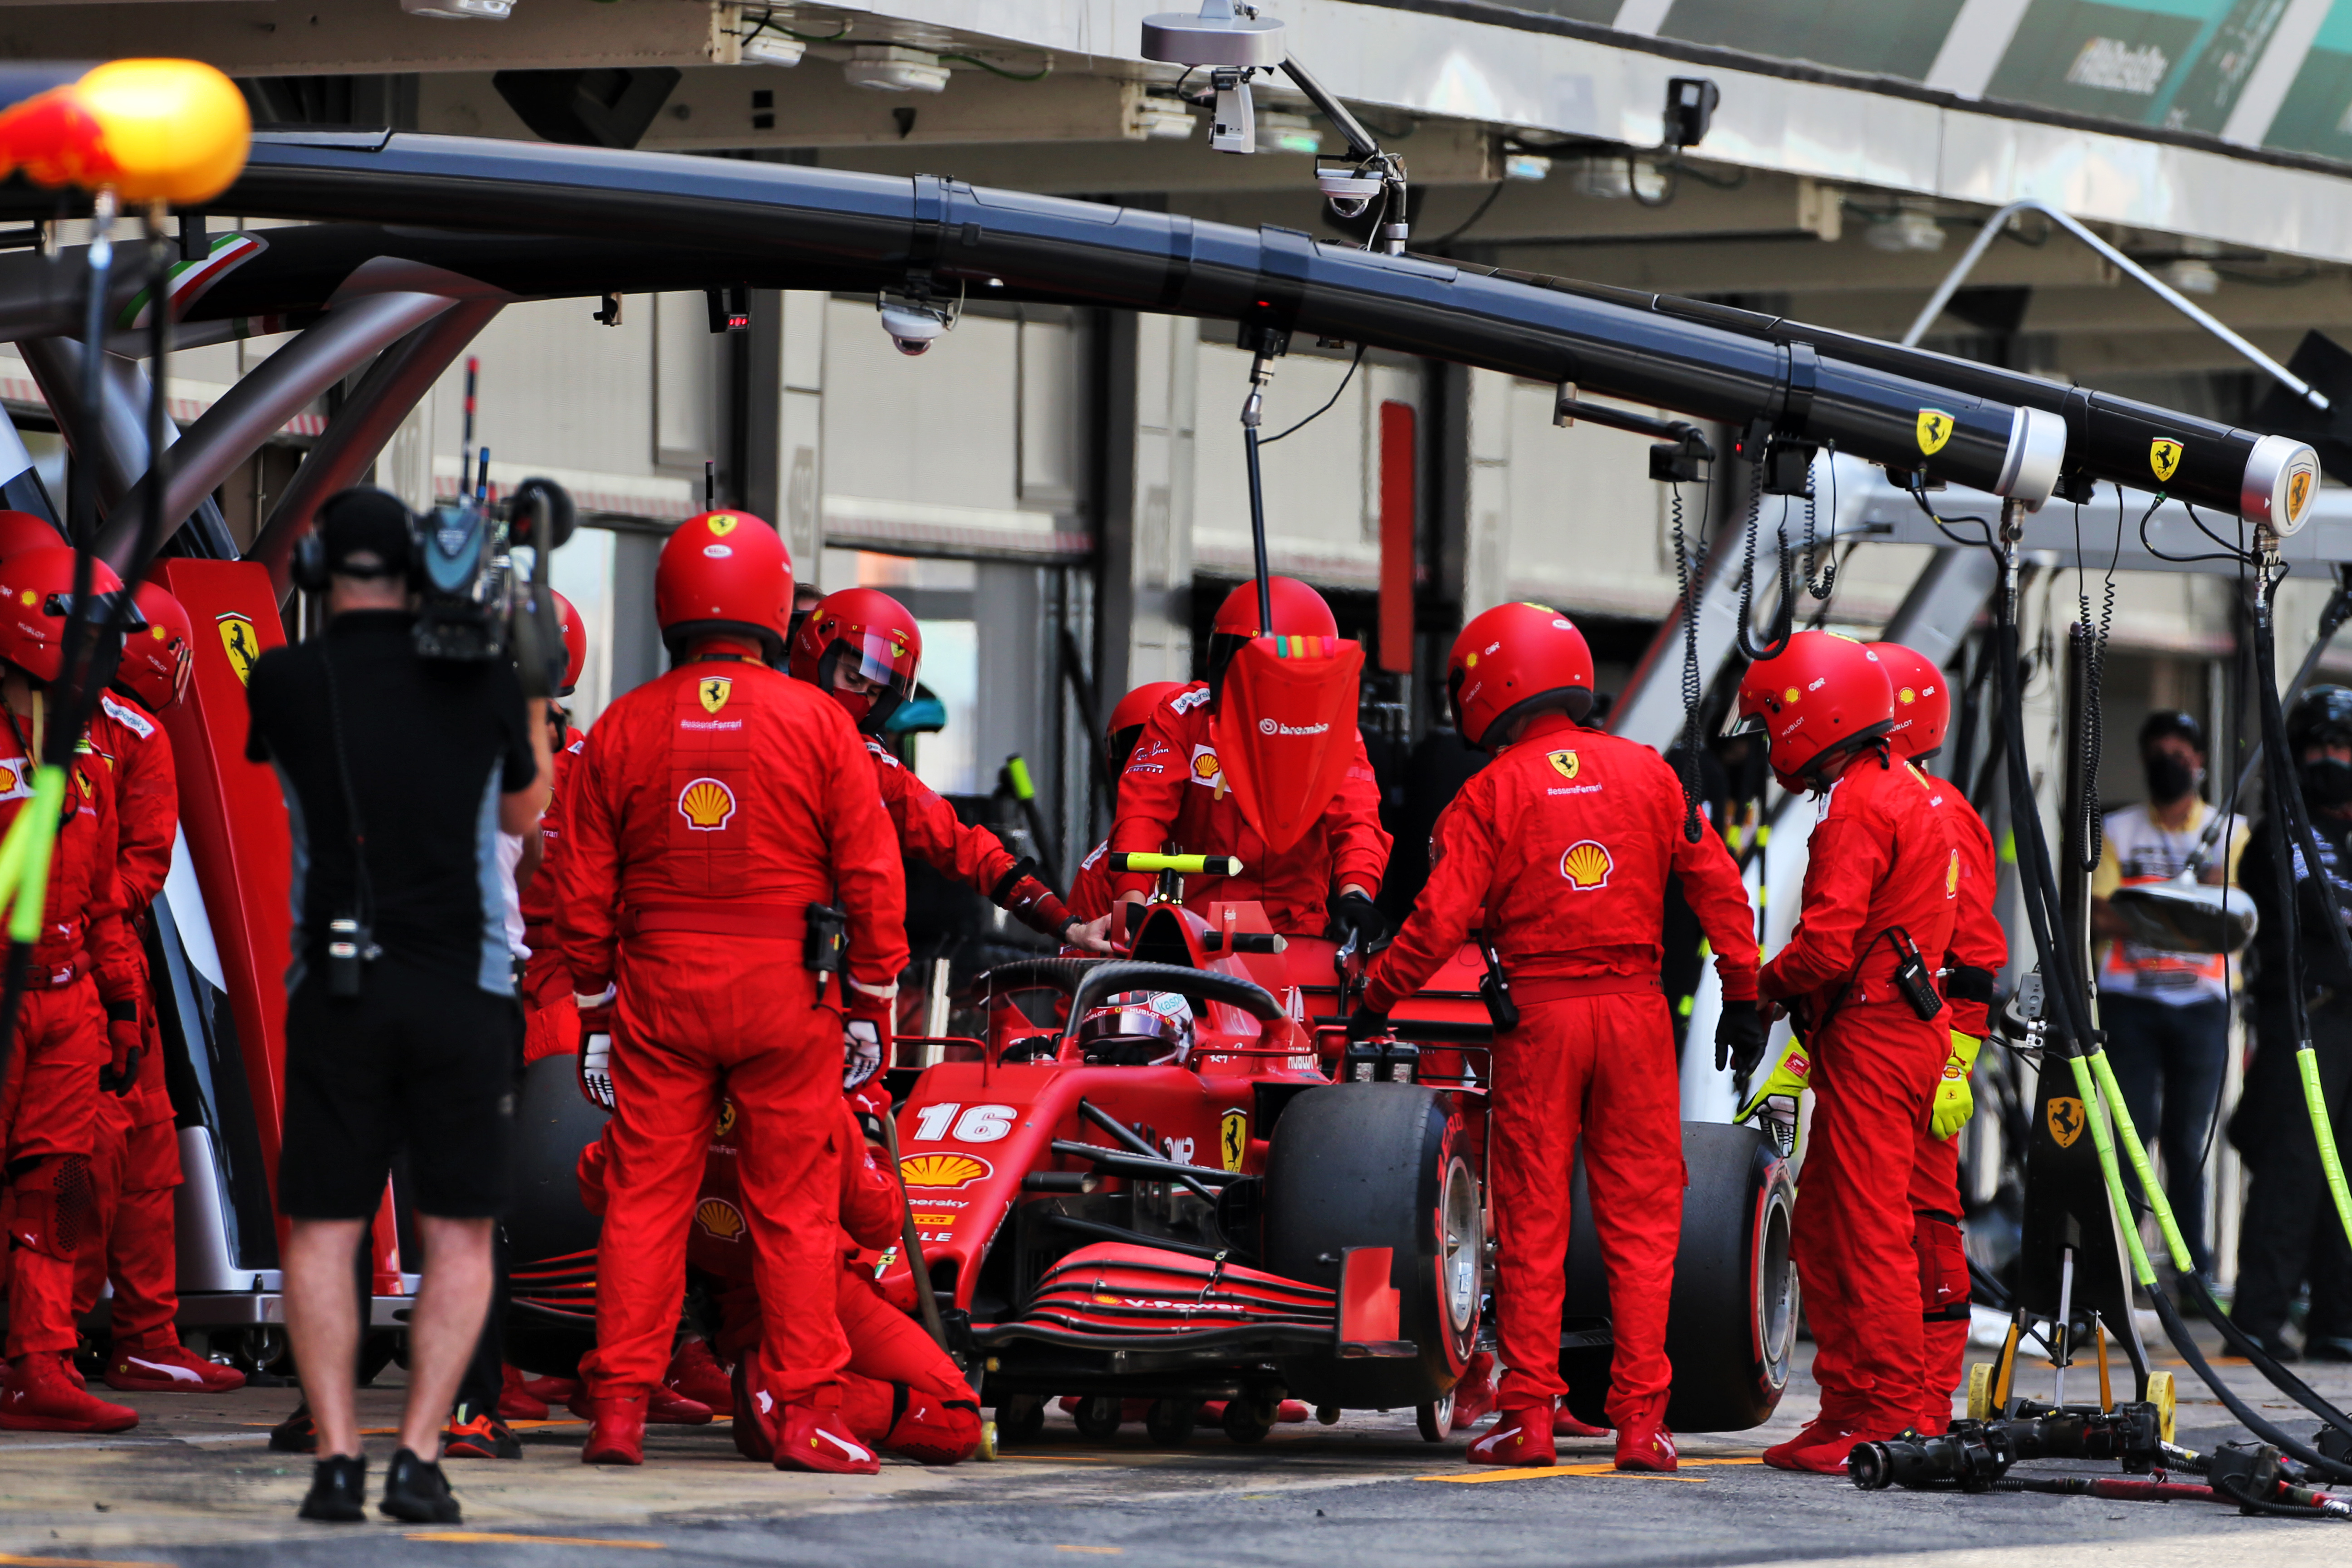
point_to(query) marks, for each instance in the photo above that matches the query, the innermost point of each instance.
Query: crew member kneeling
(1567, 840)
(711, 809)
(1881, 884)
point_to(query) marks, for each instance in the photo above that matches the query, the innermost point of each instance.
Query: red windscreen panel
(1398, 474)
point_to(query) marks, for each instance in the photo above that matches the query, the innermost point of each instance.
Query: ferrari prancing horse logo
(1935, 428)
(1563, 764)
(243, 647)
(714, 691)
(1233, 1137)
(2066, 1121)
(2164, 457)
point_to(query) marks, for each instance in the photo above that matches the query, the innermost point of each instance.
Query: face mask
(2168, 777)
(2327, 782)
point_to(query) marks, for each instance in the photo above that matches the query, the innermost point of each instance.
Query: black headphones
(309, 569)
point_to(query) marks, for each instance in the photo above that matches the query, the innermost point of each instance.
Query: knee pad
(55, 1205)
(1943, 1256)
(933, 1431)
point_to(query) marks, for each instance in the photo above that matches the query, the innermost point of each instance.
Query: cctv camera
(913, 328)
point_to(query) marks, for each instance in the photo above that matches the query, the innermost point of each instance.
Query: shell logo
(1907, 697)
(706, 805)
(1586, 865)
(720, 1218)
(1791, 695)
(1205, 765)
(943, 1169)
(721, 525)
(1952, 877)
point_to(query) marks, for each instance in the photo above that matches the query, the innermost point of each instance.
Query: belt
(1528, 991)
(716, 917)
(59, 977)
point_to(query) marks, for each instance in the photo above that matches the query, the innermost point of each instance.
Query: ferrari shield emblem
(726, 1118)
(1563, 764)
(243, 647)
(714, 692)
(1935, 428)
(1233, 1137)
(2301, 479)
(2164, 457)
(722, 526)
(2066, 1122)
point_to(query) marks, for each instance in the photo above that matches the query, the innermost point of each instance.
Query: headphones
(308, 571)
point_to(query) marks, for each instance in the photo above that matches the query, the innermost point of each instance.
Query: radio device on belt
(827, 940)
(1914, 981)
(1495, 989)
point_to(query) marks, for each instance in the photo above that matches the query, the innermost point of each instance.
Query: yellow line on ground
(11, 1558)
(1538, 1472)
(498, 1538)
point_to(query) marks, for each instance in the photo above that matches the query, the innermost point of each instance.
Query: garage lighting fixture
(1160, 119)
(1526, 166)
(1278, 132)
(2192, 276)
(895, 68)
(1604, 179)
(766, 48)
(1912, 229)
(460, 10)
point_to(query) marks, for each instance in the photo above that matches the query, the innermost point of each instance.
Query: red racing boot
(1821, 1448)
(552, 1389)
(40, 1396)
(819, 1440)
(1564, 1424)
(1474, 1397)
(1645, 1443)
(161, 1364)
(1522, 1438)
(516, 1402)
(664, 1406)
(694, 1372)
(617, 1429)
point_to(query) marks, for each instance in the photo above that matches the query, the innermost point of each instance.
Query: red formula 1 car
(1162, 1182)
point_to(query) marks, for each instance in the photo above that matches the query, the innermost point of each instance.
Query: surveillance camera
(913, 327)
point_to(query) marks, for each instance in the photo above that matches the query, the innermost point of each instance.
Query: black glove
(1739, 1037)
(1363, 1022)
(1352, 914)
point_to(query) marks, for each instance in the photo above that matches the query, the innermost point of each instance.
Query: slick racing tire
(1732, 1324)
(1379, 1164)
(551, 1235)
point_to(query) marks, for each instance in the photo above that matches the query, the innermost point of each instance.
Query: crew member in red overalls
(1565, 841)
(1881, 884)
(1173, 791)
(138, 1165)
(861, 647)
(1090, 889)
(77, 1031)
(710, 811)
(1923, 710)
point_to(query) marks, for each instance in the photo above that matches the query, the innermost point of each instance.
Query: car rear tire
(1379, 1164)
(1731, 1326)
(1249, 1420)
(1435, 1418)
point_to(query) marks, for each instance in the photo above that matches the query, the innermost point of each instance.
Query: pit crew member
(710, 812)
(1566, 840)
(1090, 888)
(1880, 895)
(1174, 791)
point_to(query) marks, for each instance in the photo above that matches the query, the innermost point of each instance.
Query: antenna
(710, 484)
(466, 438)
(482, 479)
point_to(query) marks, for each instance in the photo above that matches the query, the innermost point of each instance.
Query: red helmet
(156, 660)
(1298, 611)
(1133, 712)
(1513, 662)
(723, 572)
(1923, 703)
(22, 530)
(575, 642)
(35, 597)
(1823, 696)
(867, 633)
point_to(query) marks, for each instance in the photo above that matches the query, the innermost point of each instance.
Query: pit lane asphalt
(194, 1486)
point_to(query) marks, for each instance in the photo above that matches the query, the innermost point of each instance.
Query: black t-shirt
(2323, 961)
(430, 746)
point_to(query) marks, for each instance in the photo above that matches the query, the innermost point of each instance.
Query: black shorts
(426, 1061)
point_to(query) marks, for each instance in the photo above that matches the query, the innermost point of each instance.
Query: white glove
(596, 1070)
(861, 1053)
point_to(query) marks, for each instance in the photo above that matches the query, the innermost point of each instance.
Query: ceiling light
(2192, 276)
(460, 10)
(1526, 166)
(766, 48)
(1278, 132)
(1911, 229)
(894, 68)
(1609, 179)
(1159, 119)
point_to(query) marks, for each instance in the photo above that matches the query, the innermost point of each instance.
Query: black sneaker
(297, 1434)
(418, 1492)
(2327, 1347)
(338, 1490)
(2276, 1346)
(478, 1436)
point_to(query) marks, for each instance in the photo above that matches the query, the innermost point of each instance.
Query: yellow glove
(1955, 1103)
(1773, 1105)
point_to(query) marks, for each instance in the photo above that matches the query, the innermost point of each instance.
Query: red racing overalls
(1882, 859)
(708, 810)
(1567, 840)
(550, 1021)
(1174, 791)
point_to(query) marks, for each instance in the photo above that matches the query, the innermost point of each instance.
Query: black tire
(1731, 1326)
(1247, 1421)
(1097, 1417)
(1379, 1164)
(1435, 1419)
(547, 1220)
(1171, 1422)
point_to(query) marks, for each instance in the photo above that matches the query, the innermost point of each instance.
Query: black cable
(1693, 688)
(1829, 578)
(2228, 1486)
(2185, 1343)
(2175, 560)
(1784, 613)
(1470, 222)
(1270, 440)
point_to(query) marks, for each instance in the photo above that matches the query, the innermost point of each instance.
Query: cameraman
(401, 1028)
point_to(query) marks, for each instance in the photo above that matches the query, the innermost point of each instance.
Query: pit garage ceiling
(2219, 120)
